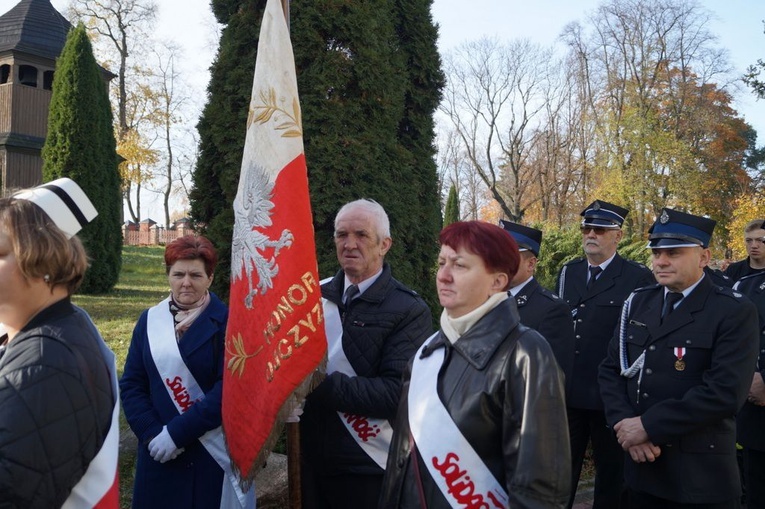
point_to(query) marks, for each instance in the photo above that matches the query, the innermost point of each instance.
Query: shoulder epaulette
(749, 276)
(400, 286)
(729, 292)
(654, 286)
(575, 260)
(636, 264)
(550, 295)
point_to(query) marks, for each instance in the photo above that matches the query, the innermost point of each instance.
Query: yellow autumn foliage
(746, 208)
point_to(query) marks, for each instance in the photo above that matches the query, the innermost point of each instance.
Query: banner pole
(293, 465)
(286, 9)
(293, 428)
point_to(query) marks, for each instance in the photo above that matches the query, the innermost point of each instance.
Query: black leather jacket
(56, 399)
(502, 387)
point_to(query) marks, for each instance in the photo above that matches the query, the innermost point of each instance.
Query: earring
(46, 278)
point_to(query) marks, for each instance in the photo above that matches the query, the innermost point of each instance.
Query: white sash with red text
(373, 435)
(99, 487)
(184, 392)
(455, 467)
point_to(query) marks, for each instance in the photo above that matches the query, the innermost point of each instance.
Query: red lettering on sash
(494, 500)
(459, 484)
(361, 426)
(180, 393)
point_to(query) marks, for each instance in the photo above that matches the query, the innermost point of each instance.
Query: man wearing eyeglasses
(754, 239)
(594, 288)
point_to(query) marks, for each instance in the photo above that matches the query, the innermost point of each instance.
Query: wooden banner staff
(293, 465)
(293, 428)
(286, 9)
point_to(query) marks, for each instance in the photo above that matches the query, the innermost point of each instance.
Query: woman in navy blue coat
(171, 390)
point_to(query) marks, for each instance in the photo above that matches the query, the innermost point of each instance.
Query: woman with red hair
(172, 388)
(483, 420)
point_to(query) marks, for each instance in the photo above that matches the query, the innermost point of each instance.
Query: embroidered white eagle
(252, 210)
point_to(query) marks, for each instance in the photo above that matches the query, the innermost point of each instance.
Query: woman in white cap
(58, 425)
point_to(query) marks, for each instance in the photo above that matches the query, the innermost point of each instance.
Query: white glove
(162, 448)
(296, 413)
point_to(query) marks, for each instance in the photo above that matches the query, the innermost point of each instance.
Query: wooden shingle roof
(34, 27)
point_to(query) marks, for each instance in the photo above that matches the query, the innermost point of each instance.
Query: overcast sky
(738, 25)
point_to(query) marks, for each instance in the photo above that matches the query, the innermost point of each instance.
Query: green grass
(142, 284)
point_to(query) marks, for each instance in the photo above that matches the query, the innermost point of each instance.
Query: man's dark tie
(350, 293)
(594, 271)
(670, 300)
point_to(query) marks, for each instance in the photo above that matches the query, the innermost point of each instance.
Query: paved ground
(583, 499)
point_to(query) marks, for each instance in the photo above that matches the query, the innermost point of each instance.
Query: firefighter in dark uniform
(678, 369)
(538, 307)
(750, 422)
(594, 288)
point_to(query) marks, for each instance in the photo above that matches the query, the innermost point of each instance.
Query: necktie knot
(594, 272)
(670, 301)
(350, 293)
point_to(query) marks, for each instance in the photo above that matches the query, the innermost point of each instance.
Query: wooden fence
(154, 236)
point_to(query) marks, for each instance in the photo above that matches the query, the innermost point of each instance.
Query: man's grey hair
(374, 209)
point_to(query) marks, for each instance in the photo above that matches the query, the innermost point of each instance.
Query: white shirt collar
(516, 289)
(364, 284)
(604, 264)
(687, 291)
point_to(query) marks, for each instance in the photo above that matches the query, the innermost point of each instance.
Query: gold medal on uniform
(679, 363)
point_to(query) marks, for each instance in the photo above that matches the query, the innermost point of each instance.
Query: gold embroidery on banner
(239, 356)
(269, 106)
(284, 346)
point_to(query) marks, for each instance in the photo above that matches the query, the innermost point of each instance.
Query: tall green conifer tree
(452, 209)
(222, 129)
(369, 80)
(80, 145)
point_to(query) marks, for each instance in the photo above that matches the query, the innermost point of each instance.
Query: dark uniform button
(649, 371)
(652, 348)
(645, 395)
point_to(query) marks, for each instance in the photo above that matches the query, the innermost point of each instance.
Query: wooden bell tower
(32, 35)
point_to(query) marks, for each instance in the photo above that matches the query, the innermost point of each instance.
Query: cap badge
(664, 218)
(596, 205)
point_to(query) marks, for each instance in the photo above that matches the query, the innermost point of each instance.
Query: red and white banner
(275, 337)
